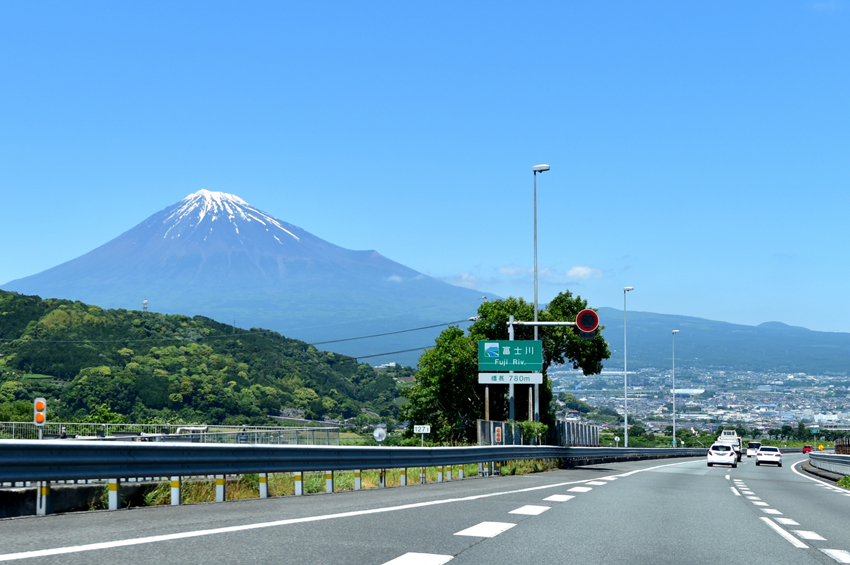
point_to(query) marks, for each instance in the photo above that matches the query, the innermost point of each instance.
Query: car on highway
(752, 447)
(769, 454)
(722, 454)
(807, 449)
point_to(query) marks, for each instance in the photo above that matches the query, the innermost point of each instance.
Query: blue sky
(699, 151)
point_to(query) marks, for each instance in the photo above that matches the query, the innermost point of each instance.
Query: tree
(446, 393)
(787, 431)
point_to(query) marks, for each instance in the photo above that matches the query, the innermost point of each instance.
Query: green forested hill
(155, 367)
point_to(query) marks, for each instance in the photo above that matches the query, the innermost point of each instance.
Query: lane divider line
(420, 559)
(486, 529)
(788, 537)
(530, 510)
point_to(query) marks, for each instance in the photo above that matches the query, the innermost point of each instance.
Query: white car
(722, 454)
(752, 448)
(769, 454)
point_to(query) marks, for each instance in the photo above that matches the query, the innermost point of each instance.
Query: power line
(393, 352)
(389, 333)
(226, 336)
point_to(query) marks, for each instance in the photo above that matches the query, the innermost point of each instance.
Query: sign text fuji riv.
(500, 355)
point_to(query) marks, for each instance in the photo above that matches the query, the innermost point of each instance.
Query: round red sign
(587, 320)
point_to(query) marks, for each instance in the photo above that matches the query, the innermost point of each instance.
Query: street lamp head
(628, 288)
(540, 168)
(675, 332)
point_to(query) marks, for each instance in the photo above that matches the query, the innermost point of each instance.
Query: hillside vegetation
(141, 366)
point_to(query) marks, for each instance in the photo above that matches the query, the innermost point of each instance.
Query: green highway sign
(498, 355)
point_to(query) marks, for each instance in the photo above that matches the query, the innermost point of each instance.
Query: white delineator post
(176, 491)
(42, 501)
(264, 485)
(329, 481)
(114, 495)
(448, 472)
(220, 495)
(357, 480)
(403, 477)
(439, 473)
(299, 483)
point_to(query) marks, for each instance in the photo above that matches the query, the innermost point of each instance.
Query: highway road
(655, 512)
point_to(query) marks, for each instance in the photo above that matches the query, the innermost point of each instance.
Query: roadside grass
(202, 489)
(845, 482)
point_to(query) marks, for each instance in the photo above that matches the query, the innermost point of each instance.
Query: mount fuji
(215, 255)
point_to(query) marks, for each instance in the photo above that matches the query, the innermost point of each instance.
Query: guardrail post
(498, 469)
(382, 478)
(422, 477)
(439, 473)
(176, 491)
(448, 472)
(460, 472)
(403, 476)
(114, 495)
(329, 481)
(42, 498)
(357, 481)
(220, 495)
(299, 483)
(264, 485)
(486, 468)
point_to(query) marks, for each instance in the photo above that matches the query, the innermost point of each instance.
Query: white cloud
(584, 273)
(394, 278)
(465, 280)
(514, 270)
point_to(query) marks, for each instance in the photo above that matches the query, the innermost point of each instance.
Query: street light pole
(537, 169)
(625, 370)
(674, 386)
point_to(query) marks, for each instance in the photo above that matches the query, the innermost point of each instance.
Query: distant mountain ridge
(701, 343)
(215, 255)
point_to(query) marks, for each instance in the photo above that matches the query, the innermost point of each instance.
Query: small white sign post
(423, 429)
(617, 439)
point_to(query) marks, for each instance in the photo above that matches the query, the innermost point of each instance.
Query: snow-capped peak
(219, 206)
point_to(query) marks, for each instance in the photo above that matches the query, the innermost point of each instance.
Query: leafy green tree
(446, 393)
(787, 431)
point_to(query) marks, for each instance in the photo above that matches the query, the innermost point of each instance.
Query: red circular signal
(39, 405)
(39, 418)
(587, 320)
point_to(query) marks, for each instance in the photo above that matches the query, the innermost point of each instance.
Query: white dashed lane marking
(580, 489)
(787, 521)
(596, 483)
(770, 511)
(757, 503)
(838, 554)
(791, 539)
(420, 559)
(486, 529)
(559, 498)
(805, 534)
(530, 510)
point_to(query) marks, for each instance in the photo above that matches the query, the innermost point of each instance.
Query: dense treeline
(144, 366)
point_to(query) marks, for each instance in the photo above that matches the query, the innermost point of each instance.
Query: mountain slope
(768, 347)
(215, 255)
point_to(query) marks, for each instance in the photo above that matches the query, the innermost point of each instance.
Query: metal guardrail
(839, 464)
(25, 460)
(174, 432)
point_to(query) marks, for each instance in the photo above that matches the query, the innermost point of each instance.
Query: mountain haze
(215, 255)
(701, 343)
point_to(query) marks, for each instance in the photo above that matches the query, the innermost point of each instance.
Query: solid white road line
(420, 559)
(559, 498)
(530, 510)
(791, 539)
(805, 534)
(486, 529)
(580, 489)
(734, 490)
(838, 554)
